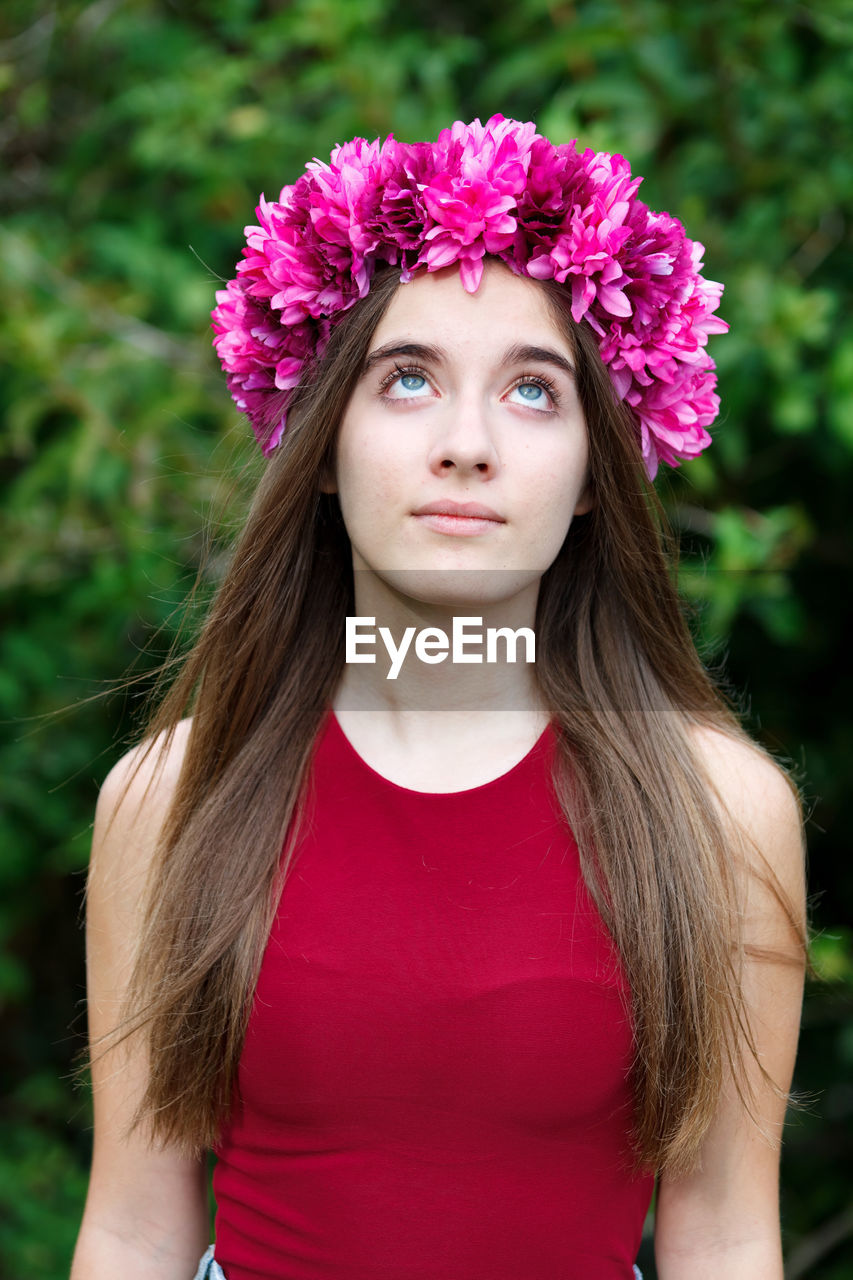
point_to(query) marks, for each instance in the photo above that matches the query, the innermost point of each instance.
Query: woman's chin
(462, 589)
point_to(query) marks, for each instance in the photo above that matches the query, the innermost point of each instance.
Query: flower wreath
(502, 189)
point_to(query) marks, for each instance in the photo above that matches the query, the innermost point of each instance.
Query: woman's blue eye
(404, 386)
(532, 393)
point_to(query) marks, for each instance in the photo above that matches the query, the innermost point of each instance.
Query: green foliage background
(135, 136)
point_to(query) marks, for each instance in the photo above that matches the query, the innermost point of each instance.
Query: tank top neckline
(380, 780)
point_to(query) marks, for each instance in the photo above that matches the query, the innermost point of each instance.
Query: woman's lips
(464, 519)
(462, 526)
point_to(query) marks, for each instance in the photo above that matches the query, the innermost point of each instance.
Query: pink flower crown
(499, 189)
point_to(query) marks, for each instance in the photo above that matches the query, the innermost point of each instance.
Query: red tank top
(433, 1083)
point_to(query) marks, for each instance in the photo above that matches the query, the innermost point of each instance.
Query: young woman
(445, 900)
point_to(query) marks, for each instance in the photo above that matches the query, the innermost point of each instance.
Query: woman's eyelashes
(532, 390)
(535, 391)
(404, 384)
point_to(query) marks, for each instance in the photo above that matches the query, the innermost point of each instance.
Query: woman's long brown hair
(617, 669)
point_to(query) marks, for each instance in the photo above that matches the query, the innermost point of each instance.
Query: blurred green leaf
(832, 955)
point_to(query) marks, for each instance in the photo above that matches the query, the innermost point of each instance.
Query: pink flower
(472, 198)
(346, 198)
(287, 261)
(589, 245)
(471, 219)
(554, 176)
(401, 217)
(260, 358)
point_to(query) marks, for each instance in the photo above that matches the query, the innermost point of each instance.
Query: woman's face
(464, 445)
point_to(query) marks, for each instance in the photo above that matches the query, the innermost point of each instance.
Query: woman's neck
(461, 644)
(440, 694)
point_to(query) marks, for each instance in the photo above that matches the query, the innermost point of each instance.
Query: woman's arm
(723, 1220)
(146, 1215)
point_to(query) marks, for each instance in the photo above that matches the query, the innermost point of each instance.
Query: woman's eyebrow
(541, 355)
(519, 354)
(415, 350)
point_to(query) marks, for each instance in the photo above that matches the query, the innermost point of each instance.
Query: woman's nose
(464, 440)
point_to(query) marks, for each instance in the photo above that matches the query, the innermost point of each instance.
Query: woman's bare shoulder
(759, 796)
(747, 777)
(136, 794)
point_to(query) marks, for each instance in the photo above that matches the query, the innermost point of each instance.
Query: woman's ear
(586, 501)
(328, 479)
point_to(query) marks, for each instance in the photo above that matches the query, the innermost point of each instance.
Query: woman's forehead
(506, 310)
